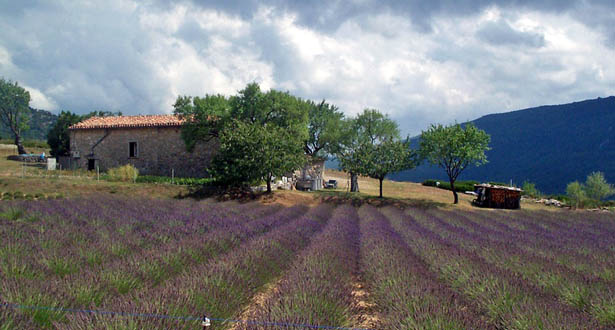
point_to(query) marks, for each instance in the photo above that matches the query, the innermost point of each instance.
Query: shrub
(597, 188)
(123, 173)
(576, 193)
(529, 189)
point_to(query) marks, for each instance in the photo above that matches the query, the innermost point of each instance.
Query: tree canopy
(324, 129)
(454, 148)
(370, 145)
(14, 110)
(597, 188)
(261, 134)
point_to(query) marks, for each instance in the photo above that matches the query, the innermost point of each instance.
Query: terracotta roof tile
(129, 121)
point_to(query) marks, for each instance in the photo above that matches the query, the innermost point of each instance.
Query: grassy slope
(79, 183)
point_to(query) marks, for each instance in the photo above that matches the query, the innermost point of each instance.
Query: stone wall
(160, 150)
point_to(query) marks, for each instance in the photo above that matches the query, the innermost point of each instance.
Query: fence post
(23, 169)
(97, 173)
(172, 176)
(206, 322)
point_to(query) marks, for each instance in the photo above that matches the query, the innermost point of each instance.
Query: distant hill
(548, 145)
(40, 123)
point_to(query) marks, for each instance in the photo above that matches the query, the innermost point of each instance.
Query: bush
(597, 188)
(576, 193)
(529, 189)
(124, 173)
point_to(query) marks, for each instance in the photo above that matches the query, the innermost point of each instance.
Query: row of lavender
(422, 269)
(52, 256)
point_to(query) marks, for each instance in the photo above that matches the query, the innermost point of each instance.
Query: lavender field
(367, 267)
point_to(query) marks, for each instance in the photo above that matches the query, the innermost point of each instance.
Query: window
(133, 151)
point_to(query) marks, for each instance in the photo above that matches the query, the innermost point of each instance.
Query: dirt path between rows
(258, 301)
(366, 316)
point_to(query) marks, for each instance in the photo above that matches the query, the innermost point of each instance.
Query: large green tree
(14, 110)
(205, 117)
(381, 151)
(58, 137)
(369, 145)
(387, 157)
(324, 129)
(454, 148)
(261, 134)
(348, 151)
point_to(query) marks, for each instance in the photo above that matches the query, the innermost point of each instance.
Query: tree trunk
(380, 186)
(454, 192)
(354, 182)
(269, 184)
(20, 149)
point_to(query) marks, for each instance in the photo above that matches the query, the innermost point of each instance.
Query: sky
(420, 62)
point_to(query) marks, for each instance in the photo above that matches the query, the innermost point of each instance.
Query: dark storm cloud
(501, 33)
(328, 15)
(419, 61)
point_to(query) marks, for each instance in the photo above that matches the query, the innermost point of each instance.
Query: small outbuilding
(499, 197)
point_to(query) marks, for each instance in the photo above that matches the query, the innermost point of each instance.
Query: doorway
(91, 164)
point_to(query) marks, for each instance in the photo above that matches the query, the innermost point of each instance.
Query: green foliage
(576, 193)
(260, 134)
(205, 117)
(58, 137)
(591, 193)
(529, 189)
(124, 173)
(453, 148)
(14, 109)
(324, 129)
(596, 187)
(177, 181)
(250, 153)
(369, 145)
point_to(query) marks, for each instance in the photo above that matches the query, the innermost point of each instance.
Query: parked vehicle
(331, 184)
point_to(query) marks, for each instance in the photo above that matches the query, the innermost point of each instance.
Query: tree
(14, 110)
(597, 188)
(58, 137)
(454, 148)
(205, 117)
(388, 157)
(529, 189)
(369, 145)
(250, 153)
(261, 135)
(324, 129)
(576, 193)
(347, 151)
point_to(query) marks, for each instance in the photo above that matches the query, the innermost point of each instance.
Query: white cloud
(134, 57)
(39, 100)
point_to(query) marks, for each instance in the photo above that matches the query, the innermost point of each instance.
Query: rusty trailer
(499, 197)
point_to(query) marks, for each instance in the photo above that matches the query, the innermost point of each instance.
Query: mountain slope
(40, 123)
(548, 145)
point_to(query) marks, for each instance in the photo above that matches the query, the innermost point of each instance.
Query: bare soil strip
(258, 301)
(366, 313)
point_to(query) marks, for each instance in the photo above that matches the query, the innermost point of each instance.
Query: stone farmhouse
(151, 143)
